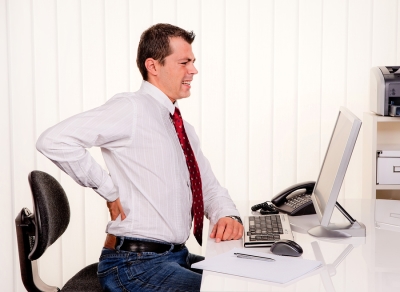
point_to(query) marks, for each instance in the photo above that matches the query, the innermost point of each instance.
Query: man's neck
(153, 82)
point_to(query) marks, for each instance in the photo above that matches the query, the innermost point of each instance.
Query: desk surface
(363, 264)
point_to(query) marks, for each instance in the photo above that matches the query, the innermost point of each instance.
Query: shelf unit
(381, 133)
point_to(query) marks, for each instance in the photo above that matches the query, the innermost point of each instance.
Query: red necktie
(195, 179)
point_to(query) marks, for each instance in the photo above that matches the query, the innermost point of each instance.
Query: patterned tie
(195, 179)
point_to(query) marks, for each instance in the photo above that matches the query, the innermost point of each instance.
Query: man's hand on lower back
(115, 209)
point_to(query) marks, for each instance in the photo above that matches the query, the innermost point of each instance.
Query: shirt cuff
(236, 218)
(107, 190)
(226, 213)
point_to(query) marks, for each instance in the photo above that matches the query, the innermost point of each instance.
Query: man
(158, 177)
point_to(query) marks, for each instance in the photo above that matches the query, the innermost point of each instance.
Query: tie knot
(177, 111)
(177, 114)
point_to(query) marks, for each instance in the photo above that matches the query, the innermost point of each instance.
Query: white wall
(272, 77)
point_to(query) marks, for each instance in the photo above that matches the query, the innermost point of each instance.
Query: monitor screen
(335, 164)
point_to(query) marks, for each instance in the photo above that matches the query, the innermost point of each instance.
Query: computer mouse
(286, 247)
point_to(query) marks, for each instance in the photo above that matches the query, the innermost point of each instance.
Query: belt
(140, 246)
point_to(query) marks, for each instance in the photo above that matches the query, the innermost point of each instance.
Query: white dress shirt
(146, 164)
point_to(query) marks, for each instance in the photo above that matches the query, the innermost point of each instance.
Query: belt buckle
(178, 247)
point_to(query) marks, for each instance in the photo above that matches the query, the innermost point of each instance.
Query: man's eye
(184, 63)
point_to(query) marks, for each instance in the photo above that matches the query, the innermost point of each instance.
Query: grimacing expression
(177, 73)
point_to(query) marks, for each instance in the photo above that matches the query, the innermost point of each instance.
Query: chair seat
(84, 281)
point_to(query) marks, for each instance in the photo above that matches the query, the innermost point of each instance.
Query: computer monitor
(331, 177)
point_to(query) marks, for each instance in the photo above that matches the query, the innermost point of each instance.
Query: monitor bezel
(325, 217)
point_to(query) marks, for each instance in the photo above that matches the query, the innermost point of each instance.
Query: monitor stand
(341, 230)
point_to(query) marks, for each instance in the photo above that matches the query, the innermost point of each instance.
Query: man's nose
(193, 70)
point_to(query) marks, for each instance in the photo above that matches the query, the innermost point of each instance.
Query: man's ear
(152, 66)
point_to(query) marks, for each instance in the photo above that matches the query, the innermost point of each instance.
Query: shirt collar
(158, 95)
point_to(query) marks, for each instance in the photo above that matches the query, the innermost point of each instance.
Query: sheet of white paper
(282, 270)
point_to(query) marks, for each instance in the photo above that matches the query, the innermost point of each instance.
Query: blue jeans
(148, 271)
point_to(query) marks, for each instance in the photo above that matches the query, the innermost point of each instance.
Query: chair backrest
(51, 211)
(38, 230)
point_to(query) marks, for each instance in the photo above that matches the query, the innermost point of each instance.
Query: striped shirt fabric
(146, 165)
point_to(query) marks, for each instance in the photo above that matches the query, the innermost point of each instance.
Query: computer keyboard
(265, 227)
(264, 230)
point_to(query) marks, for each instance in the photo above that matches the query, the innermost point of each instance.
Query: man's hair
(154, 43)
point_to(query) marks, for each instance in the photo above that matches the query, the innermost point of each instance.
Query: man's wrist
(236, 218)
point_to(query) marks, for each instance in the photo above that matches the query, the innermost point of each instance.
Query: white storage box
(388, 167)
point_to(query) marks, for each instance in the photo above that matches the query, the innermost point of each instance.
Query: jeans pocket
(145, 265)
(110, 281)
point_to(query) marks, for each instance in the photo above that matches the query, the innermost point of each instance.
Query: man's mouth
(186, 82)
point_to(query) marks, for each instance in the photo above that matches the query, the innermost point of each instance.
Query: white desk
(369, 264)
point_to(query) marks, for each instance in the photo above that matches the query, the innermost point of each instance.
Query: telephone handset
(296, 200)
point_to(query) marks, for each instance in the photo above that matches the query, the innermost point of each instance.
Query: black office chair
(39, 230)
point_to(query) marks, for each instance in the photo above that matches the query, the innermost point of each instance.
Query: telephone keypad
(298, 200)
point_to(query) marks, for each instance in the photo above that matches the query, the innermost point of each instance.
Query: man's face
(177, 73)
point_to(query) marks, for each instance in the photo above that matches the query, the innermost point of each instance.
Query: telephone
(295, 200)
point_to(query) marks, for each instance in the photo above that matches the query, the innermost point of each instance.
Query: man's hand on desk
(227, 229)
(115, 209)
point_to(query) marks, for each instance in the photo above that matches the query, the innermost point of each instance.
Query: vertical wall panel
(309, 90)
(384, 32)
(46, 109)
(236, 98)
(70, 103)
(140, 18)
(164, 11)
(285, 93)
(21, 99)
(358, 55)
(358, 71)
(93, 54)
(117, 47)
(9, 268)
(93, 84)
(45, 74)
(334, 50)
(260, 80)
(188, 17)
(213, 85)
